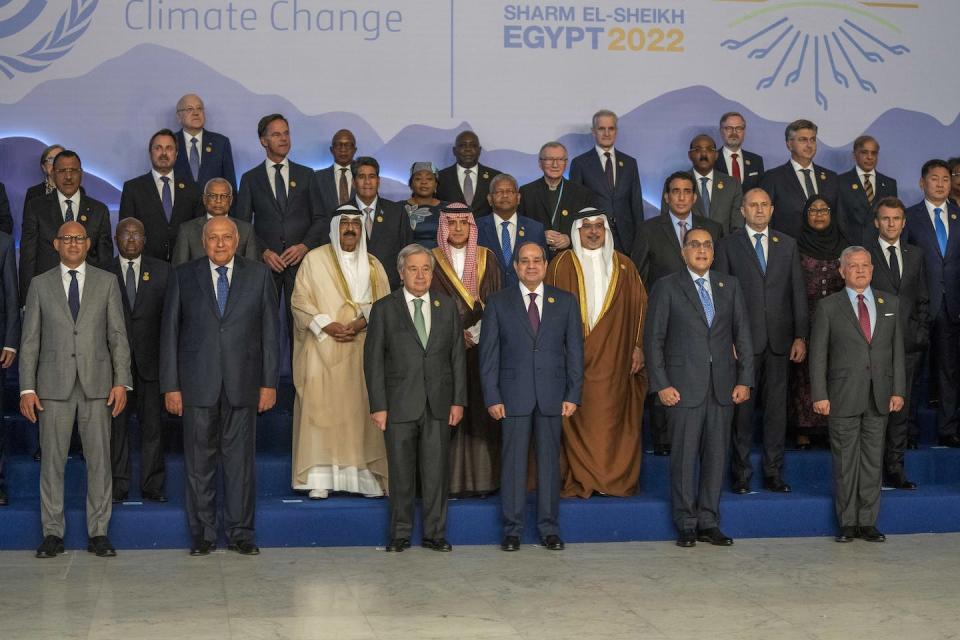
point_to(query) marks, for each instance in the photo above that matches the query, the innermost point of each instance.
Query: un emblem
(53, 45)
(832, 46)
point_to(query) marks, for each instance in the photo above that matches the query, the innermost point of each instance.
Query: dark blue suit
(219, 364)
(532, 375)
(216, 159)
(624, 202)
(943, 284)
(752, 168)
(9, 317)
(488, 235)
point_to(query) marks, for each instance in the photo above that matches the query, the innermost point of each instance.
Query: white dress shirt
(526, 298)
(159, 184)
(944, 215)
(885, 247)
(798, 170)
(498, 229)
(65, 277)
(74, 202)
(424, 308)
(764, 240)
(603, 160)
(272, 175)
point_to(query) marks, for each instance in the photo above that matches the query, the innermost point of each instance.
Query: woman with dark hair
(423, 207)
(820, 244)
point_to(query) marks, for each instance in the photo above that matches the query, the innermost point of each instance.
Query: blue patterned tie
(223, 289)
(705, 196)
(941, 231)
(706, 301)
(759, 249)
(166, 198)
(505, 241)
(68, 216)
(194, 159)
(73, 295)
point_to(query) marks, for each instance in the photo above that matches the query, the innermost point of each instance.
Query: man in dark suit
(735, 161)
(856, 379)
(282, 200)
(767, 265)
(387, 224)
(219, 364)
(954, 165)
(790, 184)
(859, 189)
(217, 201)
(933, 226)
(506, 229)
(614, 179)
(531, 370)
(719, 196)
(553, 200)
(74, 365)
(467, 180)
(43, 217)
(898, 267)
(415, 367)
(336, 181)
(161, 199)
(9, 330)
(699, 357)
(6, 220)
(201, 154)
(143, 281)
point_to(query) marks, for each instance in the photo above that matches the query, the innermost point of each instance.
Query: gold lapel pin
(379, 218)
(746, 162)
(953, 216)
(879, 300)
(719, 185)
(564, 213)
(620, 163)
(854, 186)
(485, 175)
(146, 276)
(521, 233)
(720, 284)
(551, 300)
(436, 303)
(776, 238)
(209, 149)
(823, 176)
(83, 218)
(180, 185)
(293, 184)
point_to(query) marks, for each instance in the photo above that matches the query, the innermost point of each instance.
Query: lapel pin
(551, 300)
(720, 284)
(564, 213)
(623, 266)
(521, 233)
(293, 184)
(879, 300)
(776, 238)
(379, 218)
(180, 185)
(953, 216)
(620, 163)
(486, 175)
(84, 218)
(854, 186)
(209, 149)
(719, 185)
(746, 162)
(436, 303)
(823, 176)
(146, 276)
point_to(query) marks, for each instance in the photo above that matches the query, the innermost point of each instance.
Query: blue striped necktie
(706, 301)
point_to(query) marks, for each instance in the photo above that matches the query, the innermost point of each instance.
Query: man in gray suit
(217, 200)
(74, 363)
(857, 378)
(699, 357)
(415, 365)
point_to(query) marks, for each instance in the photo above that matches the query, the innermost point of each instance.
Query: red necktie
(736, 167)
(864, 316)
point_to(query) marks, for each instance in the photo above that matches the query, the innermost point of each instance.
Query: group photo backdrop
(100, 76)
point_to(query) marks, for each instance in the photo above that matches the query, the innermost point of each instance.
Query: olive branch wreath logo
(55, 43)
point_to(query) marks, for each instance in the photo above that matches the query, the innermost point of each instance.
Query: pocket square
(753, 173)
(888, 315)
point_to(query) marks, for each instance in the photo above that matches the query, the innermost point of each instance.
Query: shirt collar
(884, 244)
(74, 199)
(498, 220)
(798, 168)
(752, 232)
(698, 176)
(81, 270)
(867, 294)
(186, 139)
(526, 292)
(269, 164)
(372, 205)
(696, 277)
(157, 175)
(214, 266)
(409, 297)
(677, 221)
(125, 262)
(930, 206)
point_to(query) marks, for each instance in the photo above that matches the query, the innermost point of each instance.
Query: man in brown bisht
(601, 441)
(469, 273)
(336, 446)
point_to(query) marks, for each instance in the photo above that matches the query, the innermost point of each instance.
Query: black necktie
(894, 267)
(131, 283)
(73, 296)
(808, 181)
(608, 169)
(281, 187)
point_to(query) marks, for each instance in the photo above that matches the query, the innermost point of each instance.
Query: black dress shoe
(101, 546)
(741, 487)
(552, 542)
(687, 538)
(3, 497)
(714, 536)
(436, 544)
(872, 534)
(847, 534)
(899, 482)
(510, 543)
(398, 544)
(202, 547)
(36, 455)
(120, 498)
(50, 547)
(153, 496)
(776, 485)
(952, 440)
(662, 450)
(244, 548)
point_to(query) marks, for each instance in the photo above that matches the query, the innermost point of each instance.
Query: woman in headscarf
(820, 244)
(422, 206)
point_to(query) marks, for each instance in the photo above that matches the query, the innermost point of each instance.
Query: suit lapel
(236, 286)
(401, 303)
(847, 311)
(205, 280)
(265, 179)
(666, 227)
(690, 290)
(520, 309)
(747, 247)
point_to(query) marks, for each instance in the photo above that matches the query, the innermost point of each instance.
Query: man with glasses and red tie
(734, 160)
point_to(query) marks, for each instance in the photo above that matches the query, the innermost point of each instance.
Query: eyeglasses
(72, 239)
(218, 197)
(190, 110)
(553, 160)
(819, 211)
(67, 172)
(739, 129)
(697, 244)
(504, 192)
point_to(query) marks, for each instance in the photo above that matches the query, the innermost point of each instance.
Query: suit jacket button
(73, 355)
(75, 333)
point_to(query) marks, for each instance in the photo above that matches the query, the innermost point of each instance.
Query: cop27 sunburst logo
(56, 41)
(841, 46)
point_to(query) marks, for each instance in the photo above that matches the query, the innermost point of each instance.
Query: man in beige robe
(336, 447)
(601, 441)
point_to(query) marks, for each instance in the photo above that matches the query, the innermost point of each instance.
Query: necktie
(166, 198)
(533, 313)
(868, 187)
(706, 301)
(223, 289)
(808, 182)
(68, 216)
(941, 231)
(467, 186)
(736, 167)
(894, 267)
(608, 169)
(280, 186)
(705, 196)
(344, 189)
(73, 295)
(194, 159)
(418, 322)
(758, 247)
(864, 317)
(131, 283)
(368, 220)
(683, 231)
(505, 241)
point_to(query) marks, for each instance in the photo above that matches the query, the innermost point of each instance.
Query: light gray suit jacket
(726, 196)
(189, 245)
(843, 364)
(55, 352)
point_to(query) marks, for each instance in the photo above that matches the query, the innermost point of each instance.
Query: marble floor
(764, 589)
